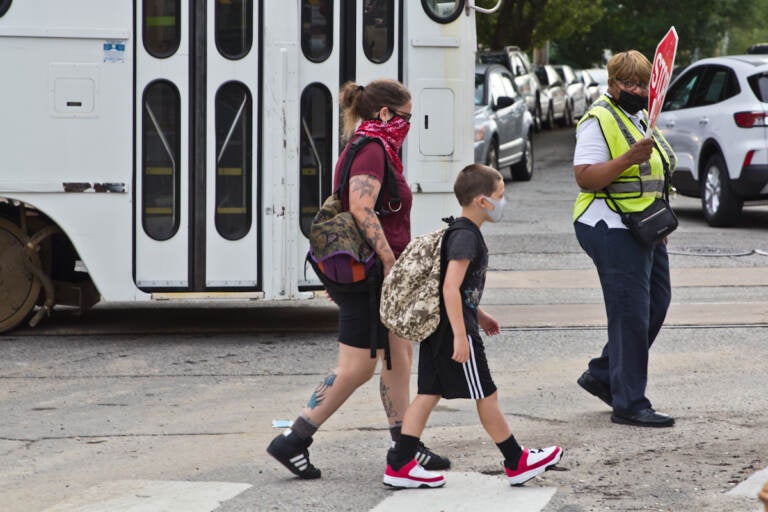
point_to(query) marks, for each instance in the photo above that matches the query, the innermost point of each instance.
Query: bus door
(197, 167)
(341, 40)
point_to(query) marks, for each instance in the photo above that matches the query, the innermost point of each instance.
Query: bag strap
(389, 180)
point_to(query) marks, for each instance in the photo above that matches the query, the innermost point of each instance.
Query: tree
(580, 30)
(640, 24)
(530, 23)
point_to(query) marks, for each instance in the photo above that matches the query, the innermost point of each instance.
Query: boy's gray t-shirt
(468, 244)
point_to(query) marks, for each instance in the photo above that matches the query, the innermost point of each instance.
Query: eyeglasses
(406, 116)
(631, 84)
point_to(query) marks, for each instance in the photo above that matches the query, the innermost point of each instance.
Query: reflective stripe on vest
(638, 185)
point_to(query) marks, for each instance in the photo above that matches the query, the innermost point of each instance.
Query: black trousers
(637, 292)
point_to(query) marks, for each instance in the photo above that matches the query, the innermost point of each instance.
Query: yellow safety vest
(635, 188)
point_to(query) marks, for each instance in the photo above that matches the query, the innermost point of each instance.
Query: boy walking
(452, 361)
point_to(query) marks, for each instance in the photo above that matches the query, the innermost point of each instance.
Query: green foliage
(528, 23)
(580, 30)
(750, 29)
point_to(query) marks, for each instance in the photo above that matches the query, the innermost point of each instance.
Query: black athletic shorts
(441, 375)
(355, 319)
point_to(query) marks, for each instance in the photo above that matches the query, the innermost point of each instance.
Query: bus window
(4, 6)
(234, 27)
(162, 33)
(234, 117)
(161, 123)
(317, 29)
(443, 11)
(378, 29)
(315, 152)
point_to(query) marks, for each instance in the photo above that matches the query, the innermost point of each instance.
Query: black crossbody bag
(653, 224)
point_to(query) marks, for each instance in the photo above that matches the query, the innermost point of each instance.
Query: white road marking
(152, 496)
(469, 492)
(752, 485)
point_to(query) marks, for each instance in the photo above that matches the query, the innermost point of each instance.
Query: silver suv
(515, 60)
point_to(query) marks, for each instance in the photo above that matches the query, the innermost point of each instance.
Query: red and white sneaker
(412, 476)
(533, 462)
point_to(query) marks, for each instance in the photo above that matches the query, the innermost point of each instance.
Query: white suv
(715, 116)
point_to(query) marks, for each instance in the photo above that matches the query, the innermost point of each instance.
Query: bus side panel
(439, 71)
(67, 89)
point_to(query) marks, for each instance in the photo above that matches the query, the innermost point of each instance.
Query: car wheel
(537, 116)
(549, 123)
(492, 160)
(567, 116)
(523, 170)
(720, 205)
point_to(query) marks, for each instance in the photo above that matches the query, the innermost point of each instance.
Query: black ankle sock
(511, 449)
(394, 432)
(303, 428)
(403, 452)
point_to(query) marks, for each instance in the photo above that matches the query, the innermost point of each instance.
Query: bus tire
(20, 289)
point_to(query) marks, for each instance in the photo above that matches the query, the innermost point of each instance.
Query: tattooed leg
(386, 401)
(319, 394)
(355, 367)
(395, 383)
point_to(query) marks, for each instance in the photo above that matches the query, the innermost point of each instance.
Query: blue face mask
(497, 213)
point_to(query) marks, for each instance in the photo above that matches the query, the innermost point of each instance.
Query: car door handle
(670, 123)
(704, 121)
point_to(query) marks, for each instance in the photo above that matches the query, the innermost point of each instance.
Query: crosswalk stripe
(152, 496)
(469, 491)
(752, 485)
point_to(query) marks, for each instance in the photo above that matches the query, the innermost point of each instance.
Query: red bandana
(392, 134)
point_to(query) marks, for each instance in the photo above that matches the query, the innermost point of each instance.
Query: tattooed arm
(363, 191)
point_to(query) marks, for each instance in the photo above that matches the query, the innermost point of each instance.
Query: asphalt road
(170, 408)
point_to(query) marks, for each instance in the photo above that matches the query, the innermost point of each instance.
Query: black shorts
(441, 375)
(356, 318)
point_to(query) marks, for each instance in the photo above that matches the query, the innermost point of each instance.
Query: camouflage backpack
(410, 294)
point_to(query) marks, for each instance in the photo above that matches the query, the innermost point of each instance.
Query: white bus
(168, 149)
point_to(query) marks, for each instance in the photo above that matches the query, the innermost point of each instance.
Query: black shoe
(595, 387)
(291, 452)
(643, 418)
(430, 460)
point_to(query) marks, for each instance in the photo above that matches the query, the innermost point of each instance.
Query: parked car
(577, 91)
(715, 116)
(758, 48)
(600, 76)
(503, 124)
(514, 59)
(593, 87)
(558, 108)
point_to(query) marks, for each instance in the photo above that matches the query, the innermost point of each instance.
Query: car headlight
(480, 134)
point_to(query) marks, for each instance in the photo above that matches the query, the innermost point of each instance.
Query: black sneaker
(291, 452)
(430, 460)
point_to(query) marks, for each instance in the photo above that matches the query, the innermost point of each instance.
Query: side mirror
(503, 102)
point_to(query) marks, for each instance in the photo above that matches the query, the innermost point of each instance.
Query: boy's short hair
(475, 180)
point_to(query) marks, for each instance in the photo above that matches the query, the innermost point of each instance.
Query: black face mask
(632, 102)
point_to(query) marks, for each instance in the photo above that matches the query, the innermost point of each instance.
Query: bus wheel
(19, 289)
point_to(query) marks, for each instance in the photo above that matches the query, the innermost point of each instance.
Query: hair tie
(361, 88)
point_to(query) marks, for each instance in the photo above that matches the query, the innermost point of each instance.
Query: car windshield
(479, 89)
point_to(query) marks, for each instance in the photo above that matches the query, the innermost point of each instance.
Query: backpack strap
(389, 179)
